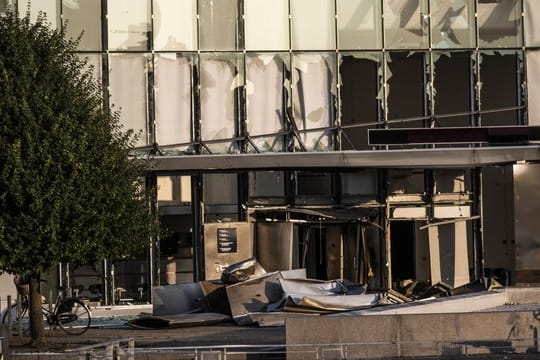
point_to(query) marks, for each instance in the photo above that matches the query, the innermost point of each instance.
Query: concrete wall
(381, 336)
(6, 288)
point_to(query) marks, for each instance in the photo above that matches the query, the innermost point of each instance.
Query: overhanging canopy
(402, 158)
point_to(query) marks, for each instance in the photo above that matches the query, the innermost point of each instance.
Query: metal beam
(466, 157)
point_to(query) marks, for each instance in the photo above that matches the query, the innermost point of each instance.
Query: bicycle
(68, 313)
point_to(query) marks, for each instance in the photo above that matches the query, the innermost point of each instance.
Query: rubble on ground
(247, 294)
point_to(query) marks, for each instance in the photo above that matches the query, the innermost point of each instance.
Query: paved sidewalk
(214, 335)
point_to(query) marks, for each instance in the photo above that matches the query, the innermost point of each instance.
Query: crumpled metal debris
(242, 271)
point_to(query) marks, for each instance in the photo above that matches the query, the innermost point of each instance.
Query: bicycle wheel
(73, 316)
(14, 310)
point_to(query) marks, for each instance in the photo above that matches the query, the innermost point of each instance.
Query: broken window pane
(359, 186)
(406, 181)
(49, 7)
(83, 16)
(129, 91)
(452, 24)
(175, 24)
(452, 88)
(129, 24)
(311, 185)
(499, 23)
(359, 74)
(313, 98)
(220, 78)
(218, 24)
(266, 24)
(313, 24)
(405, 24)
(533, 86)
(173, 89)
(532, 30)
(451, 181)
(265, 92)
(359, 24)
(406, 89)
(499, 94)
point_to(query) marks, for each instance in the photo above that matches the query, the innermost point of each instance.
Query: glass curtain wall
(253, 76)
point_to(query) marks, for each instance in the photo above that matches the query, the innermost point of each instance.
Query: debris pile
(247, 294)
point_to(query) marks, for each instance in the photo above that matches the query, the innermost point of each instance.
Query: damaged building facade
(259, 116)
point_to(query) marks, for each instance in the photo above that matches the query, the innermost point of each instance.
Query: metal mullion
(477, 105)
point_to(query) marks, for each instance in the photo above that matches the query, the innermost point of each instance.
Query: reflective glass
(314, 89)
(265, 88)
(499, 23)
(359, 24)
(129, 24)
(532, 26)
(4, 4)
(84, 16)
(94, 61)
(173, 89)
(452, 24)
(313, 25)
(51, 9)
(175, 24)
(220, 78)
(266, 24)
(218, 28)
(128, 90)
(405, 24)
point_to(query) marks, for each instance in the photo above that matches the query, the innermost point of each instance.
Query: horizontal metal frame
(403, 158)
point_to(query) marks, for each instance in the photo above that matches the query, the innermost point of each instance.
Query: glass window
(533, 86)
(452, 24)
(359, 24)
(265, 88)
(129, 94)
(405, 24)
(359, 183)
(499, 94)
(499, 23)
(129, 24)
(83, 16)
(266, 24)
(532, 26)
(406, 89)
(175, 24)
(359, 75)
(452, 81)
(220, 189)
(50, 8)
(173, 89)
(221, 78)
(264, 184)
(4, 4)
(313, 25)
(218, 24)
(314, 89)
(95, 62)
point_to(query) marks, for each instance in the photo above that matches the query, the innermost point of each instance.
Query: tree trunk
(36, 315)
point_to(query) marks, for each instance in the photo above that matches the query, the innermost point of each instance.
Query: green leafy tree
(69, 190)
